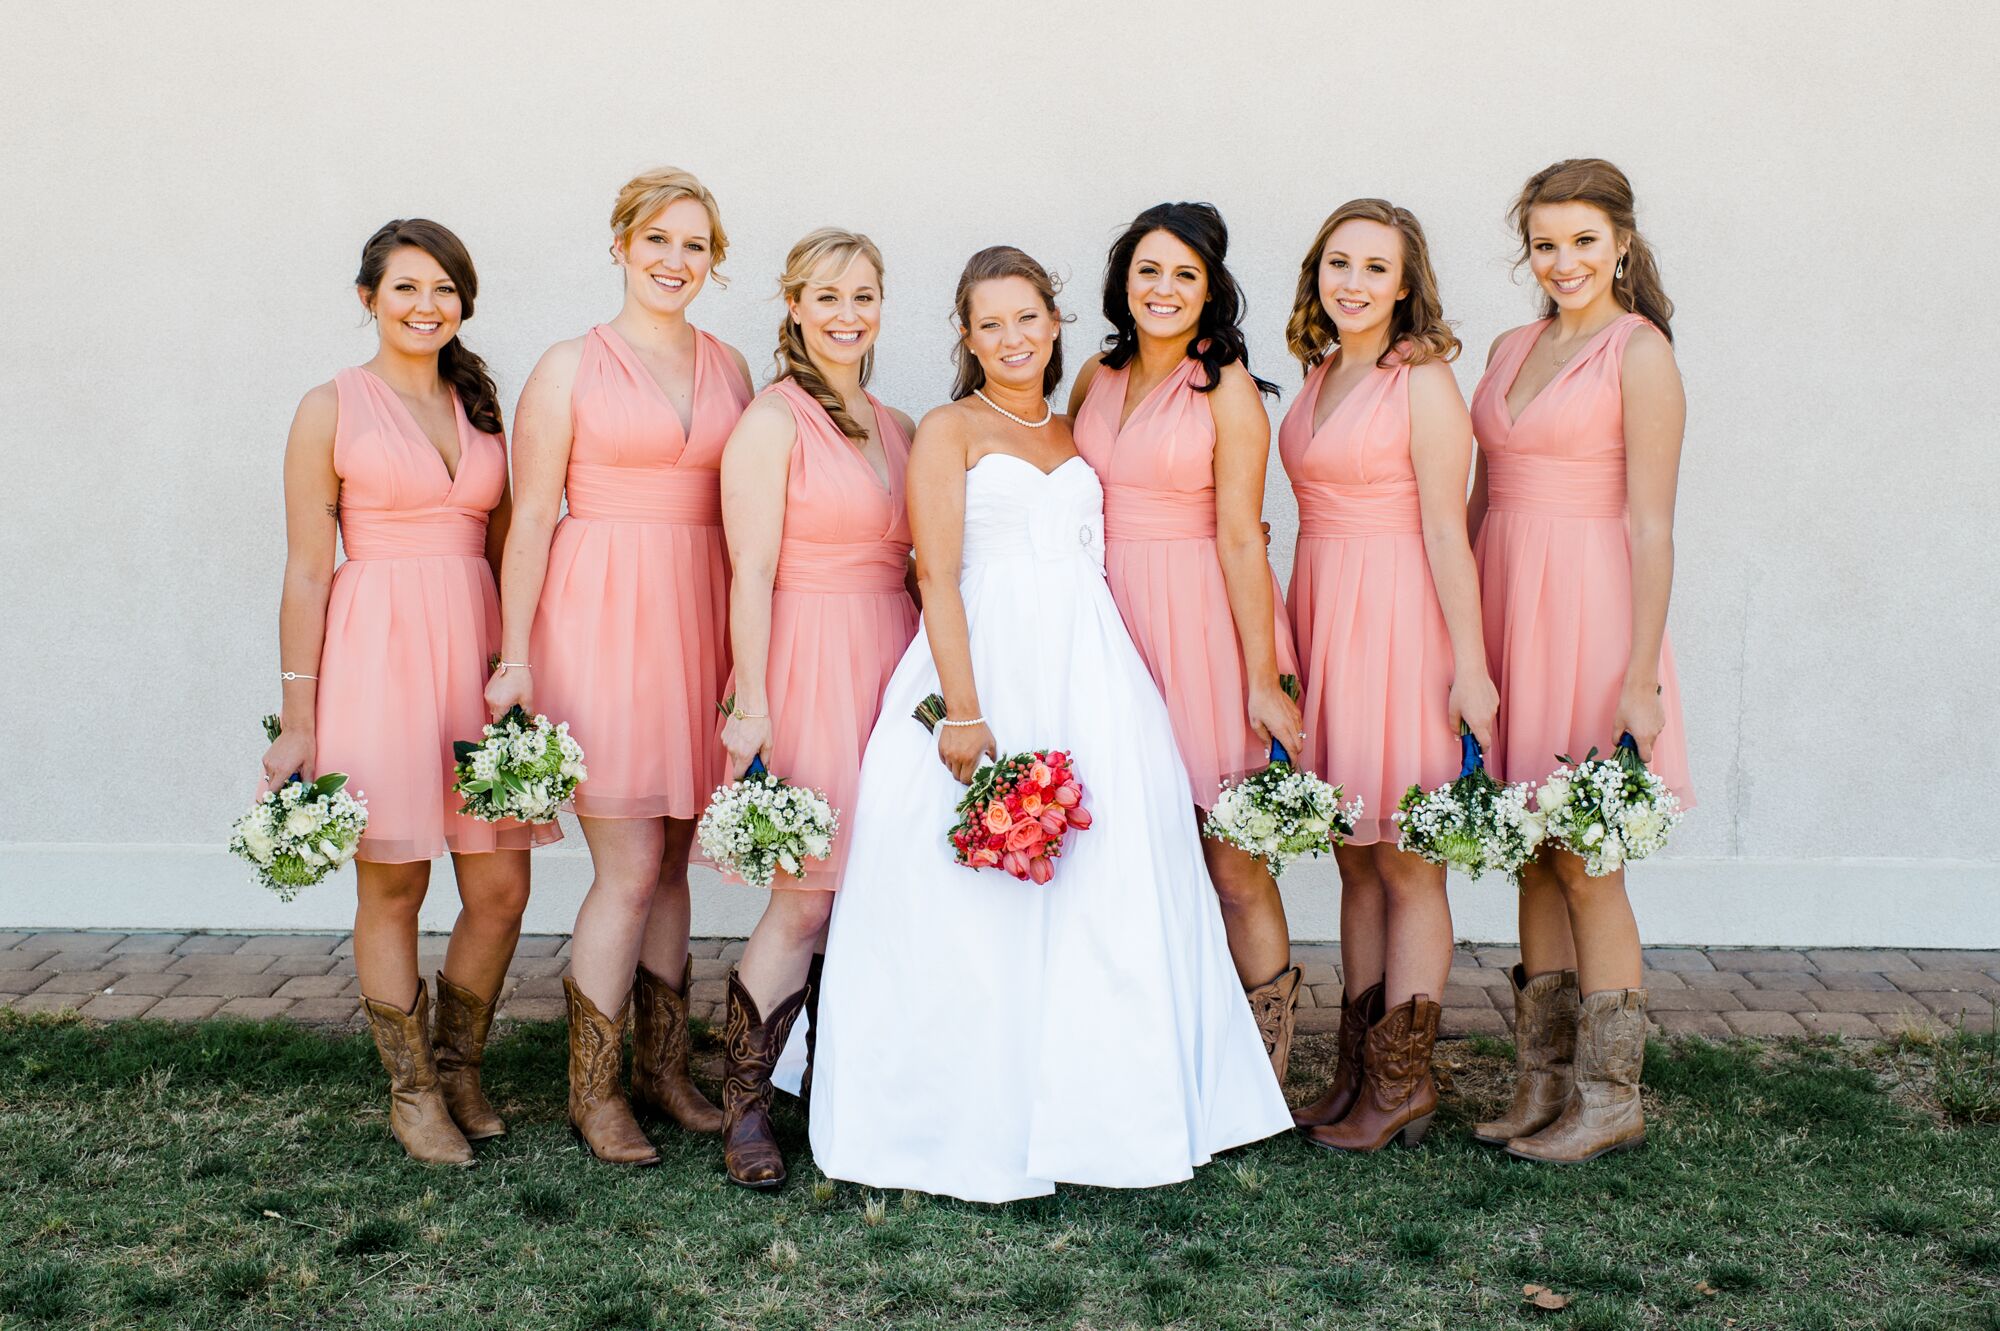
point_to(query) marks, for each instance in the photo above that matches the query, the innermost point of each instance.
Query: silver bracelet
(504, 666)
(289, 675)
(975, 721)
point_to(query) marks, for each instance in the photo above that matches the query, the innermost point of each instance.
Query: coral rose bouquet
(1018, 811)
(523, 768)
(759, 826)
(1281, 813)
(302, 831)
(1474, 824)
(1608, 810)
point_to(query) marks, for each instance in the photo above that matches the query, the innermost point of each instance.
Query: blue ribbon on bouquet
(756, 767)
(1278, 754)
(1625, 741)
(1470, 758)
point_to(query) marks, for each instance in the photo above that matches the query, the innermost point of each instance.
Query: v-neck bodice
(844, 530)
(396, 495)
(1578, 414)
(1167, 443)
(1353, 475)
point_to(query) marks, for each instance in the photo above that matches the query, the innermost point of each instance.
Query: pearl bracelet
(975, 721)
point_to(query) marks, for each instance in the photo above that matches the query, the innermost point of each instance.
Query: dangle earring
(1619, 271)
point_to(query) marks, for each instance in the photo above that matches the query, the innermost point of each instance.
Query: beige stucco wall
(187, 188)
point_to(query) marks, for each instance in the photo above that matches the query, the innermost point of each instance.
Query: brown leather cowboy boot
(418, 1117)
(1397, 1096)
(1603, 1113)
(813, 971)
(751, 1044)
(458, 1041)
(598, 1111)
(661, 1086)
(1356, 1016)
(1544, 1044)
(1275, 1004)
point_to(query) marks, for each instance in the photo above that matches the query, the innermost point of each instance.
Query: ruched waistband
(690, 496)
(1327, 508)
(1136, 513)
(1556, 487)
(405, 533)
(866, 567)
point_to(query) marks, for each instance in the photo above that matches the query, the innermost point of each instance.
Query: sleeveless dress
(630, 643)
(412, 615)
(1098, 1033)
(1555, 566)
(1377, 658)
(1161, 561)
(841, 612)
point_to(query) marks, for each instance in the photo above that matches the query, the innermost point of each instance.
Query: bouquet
(523, 769)
(301, 832)
(754, 827)
(1279, 813)
(1472, 824)
(1608, 810)
(1017, 812)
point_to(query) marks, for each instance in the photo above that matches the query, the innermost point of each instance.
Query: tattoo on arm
(333, 511)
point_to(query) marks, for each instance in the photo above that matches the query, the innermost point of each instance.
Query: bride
(985, 1037)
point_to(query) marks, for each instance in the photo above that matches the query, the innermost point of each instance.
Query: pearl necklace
(1048, 412)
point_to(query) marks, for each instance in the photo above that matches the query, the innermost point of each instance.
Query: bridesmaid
(403, 460)
(614, 622)
(1169, 416)
(819, 614)
(1385, 603)
(1579, 418)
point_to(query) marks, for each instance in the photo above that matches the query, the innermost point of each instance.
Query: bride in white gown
(981, 1036)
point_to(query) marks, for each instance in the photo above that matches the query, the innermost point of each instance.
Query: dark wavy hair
(457, 364)
(990, 264)
(1218, 335)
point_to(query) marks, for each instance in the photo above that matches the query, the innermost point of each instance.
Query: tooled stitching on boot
(1271, 1002)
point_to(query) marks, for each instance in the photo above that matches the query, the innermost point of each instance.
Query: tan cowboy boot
(1356, 1016)
(813, 971)
(1603, 1113)
(1275, 1005)
(1397, 1096)
(1544, 1044)
(661, 1086)
(458, 1042)
(597, 1107)
(418, 1117)
(751, 1044)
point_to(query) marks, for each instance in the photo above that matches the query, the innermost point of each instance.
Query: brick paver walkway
(1716, 992)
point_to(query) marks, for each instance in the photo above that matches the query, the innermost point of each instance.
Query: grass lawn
(240, 1175)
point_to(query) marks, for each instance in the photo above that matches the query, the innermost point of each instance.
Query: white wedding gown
(988, 1038)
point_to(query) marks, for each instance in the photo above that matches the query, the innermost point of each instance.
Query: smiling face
(1166, 285)
(1361, 275)
(667, 258)
(416, 307)
(1573, 251)
(1010, 332)
(839, 312)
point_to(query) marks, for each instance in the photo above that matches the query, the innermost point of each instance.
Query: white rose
(300, 821)
(1593, 834)
(1553, 794)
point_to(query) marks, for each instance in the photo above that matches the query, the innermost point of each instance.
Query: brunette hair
(457, 364)
(828, 246)
(1594, 181)
(1417, 327)
(1218, 336)
(991, 263)
(645, 194)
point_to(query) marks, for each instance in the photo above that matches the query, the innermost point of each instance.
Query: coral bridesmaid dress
(841, 614)
(1160, 558)
(1377, 657)
(1555, 568)
(630, 644)
(411, 619)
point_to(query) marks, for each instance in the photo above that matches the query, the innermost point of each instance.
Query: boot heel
(1413, 1131)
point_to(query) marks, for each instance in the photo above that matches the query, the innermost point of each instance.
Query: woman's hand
(1641, 715)
(293, 751)
(512, 687)
(1273, 715)
(1474, 703)
(961, 747)
(746, 737)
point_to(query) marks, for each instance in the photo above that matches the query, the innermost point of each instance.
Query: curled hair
(1218, 335)
(1417, 327)
(645, 194)
(990, 264)
(457, 365)
(1594, 181)
(821, 250)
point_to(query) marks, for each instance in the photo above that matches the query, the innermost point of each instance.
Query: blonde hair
(645, 194)
(1594, 181)
(828, 247)
(1416, 326)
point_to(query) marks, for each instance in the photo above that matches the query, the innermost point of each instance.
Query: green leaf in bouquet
(519, 717)
(272, 729)
(727, 706)
(329, 783)
(463, 749)
(476, 787)
(1290, 684)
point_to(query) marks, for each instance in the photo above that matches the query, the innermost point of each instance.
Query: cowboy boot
(1603, 1112)
(1356, 1016)
(1397, 1097)
(751, 1044)
(418, 1117)
(1275, 1004)
(598, 1111)
(1544, 1044)
(458, 1042)
(813, 970)
(661, 1086)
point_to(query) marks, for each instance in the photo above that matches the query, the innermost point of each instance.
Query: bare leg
(664, 948)
(781, 946)
(1601, 922)
(1419, 926)
(625, 856)
(387, 900)
(1364, 919)
(492, 894)
(1545, 937)
(1253, 914)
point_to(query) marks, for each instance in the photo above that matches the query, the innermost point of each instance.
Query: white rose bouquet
(1280, 813)
(1608, 810)
(301, 832)
(524, 768)
(1474, 823)
(757, 826)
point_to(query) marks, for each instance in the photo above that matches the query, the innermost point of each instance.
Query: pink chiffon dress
(841, 614)
(1555, 565)
(630, 642)
(1376, 655)
(410, 620)
(1160, 558)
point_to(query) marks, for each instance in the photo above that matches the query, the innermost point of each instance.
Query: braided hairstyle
(827, 249)
(457, 363)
